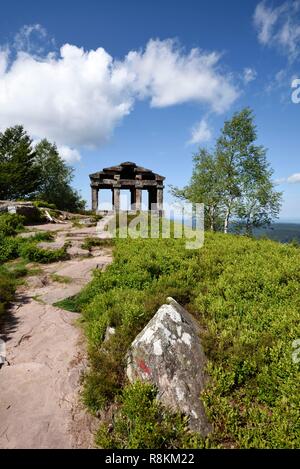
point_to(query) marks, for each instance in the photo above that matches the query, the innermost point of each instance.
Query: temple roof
(126, 167)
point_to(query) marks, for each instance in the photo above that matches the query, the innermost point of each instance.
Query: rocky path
(45, 352)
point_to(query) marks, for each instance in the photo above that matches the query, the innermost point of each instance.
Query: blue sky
(144, 96)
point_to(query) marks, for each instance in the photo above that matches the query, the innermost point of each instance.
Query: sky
(151, 81)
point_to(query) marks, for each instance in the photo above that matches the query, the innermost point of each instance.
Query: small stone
(109, 332)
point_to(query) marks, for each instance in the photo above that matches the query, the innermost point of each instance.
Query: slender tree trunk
(212, 218)
(226, 220)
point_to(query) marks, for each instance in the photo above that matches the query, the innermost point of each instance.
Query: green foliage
(235, 179)
(61, 278)
(245, 295)
(7, 289)
(44, 204)
(69, 304)
(89, 243)
(42, 236)
(19, 177)
(56, 177)
(10, 224)
(141, 422)
(30, 251)
(9, 248)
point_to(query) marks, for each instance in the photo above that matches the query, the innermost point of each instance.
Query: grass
(16, 252)
(245, 295)
(69, 304)
(30, 251)
(149, 425)
(61, 278)
(89, 243)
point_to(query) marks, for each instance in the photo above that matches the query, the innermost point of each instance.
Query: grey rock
(109, 332)
(26, 209)
(168, 354)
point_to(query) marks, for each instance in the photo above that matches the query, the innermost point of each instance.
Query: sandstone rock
(27, 209)
(168, 353)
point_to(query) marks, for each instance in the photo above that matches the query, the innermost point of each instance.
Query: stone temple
(132, 177)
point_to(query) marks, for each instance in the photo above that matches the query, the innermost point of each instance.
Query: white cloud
(70, 155)
(249, 74)
(279, 26)
(200, 133)
(77, 97)
(293, 179)
(168, 76)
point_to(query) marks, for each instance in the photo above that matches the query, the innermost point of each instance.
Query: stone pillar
(138, 199)
(112, 198)
(95, 199)
(152, 199)
(116, 199)
(160, 199)
(132, 198)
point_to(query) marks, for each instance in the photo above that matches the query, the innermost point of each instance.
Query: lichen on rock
(168, 353)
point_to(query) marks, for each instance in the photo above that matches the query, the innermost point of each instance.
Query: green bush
(44, 204)
(42, 236)
(32, 253)
(141, 422)
(11, 223)
(89, 243)
(9, 248)
(7, 289)
(245, 295)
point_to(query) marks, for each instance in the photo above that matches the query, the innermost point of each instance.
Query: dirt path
(45, 352)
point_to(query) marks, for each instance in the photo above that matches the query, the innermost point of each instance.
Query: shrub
(245, 295)
(9, 248)
(11, 223)
(44, 204)
(141, 422)
(32, 253)
(7, 289)
(42, 236)
(89, 243)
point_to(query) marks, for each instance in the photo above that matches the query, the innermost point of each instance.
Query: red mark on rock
(142, 365)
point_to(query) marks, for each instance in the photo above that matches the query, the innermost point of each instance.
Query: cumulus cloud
(168, 76)
(249, 74)
(279, 26)
(200, 133)
(77, 97)
(293, 179)
(70, 155)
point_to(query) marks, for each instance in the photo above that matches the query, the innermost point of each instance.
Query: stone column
(95, 199)
(138, 199)
(152, 199)
(160, 199)
(132, 198)
(116, 199)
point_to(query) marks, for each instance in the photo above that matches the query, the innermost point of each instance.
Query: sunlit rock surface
(168, 353)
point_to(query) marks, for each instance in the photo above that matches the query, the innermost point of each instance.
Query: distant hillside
(283, 232)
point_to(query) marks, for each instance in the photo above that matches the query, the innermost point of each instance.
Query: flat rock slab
(168, 353)
(39, 387)
(45, 356)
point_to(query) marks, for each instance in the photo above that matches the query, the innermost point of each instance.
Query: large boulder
(27, 209)
(168, 354)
